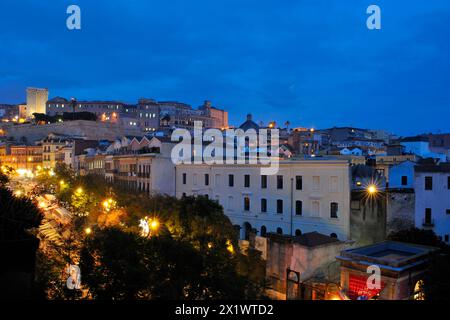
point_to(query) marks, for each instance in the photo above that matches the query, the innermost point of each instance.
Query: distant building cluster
(336, 188)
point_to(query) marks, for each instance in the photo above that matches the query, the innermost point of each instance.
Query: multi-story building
(63, 149)
(305, 195)
(148, 114)
(400, 198)
(141, 163)
(432, 189)
(25, 157)
(105, 110)
(36, 101)
(306, 141)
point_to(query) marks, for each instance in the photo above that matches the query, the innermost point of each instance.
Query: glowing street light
(154, 224)
(230, 247)
(88, 231)
(108, 204)
(79, 190)
(372, 189)
(148, 225)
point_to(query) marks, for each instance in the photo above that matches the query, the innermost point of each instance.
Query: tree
(17, 216)
(117, 264)
(3, 179)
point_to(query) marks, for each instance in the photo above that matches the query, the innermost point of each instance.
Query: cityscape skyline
(306, 60)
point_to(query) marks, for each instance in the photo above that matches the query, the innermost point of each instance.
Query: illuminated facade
(36, 101)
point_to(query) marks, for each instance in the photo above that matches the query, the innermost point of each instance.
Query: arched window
(298, 233)
(279, 230)
(247, 230)
(333, 235)
(263, 231)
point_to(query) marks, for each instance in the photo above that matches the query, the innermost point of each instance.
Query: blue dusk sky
(313, 62)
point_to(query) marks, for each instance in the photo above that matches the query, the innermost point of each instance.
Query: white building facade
(304, 196)
(432, 189)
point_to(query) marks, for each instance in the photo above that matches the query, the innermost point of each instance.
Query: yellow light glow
(154, 225)
(372, 189)
(79, 190)
(88, 230)
(61, 182)
(230, 247)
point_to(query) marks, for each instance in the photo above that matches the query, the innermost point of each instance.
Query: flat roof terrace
(392, 255)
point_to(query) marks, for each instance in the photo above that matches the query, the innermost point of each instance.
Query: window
(427, 216)
(448, 182)
(316, 183)
(279, 182)
(206, 179)
(404, 180)
(184, 178)
(447, 211)
(315, 208)
(298, 233)
(279, 206)
(246, 204)
(247, 181)
(428, 183)
(334, 210)
(263, 231)
(263, 182)
(231, 180)
(298, 182)
(263, 205)
(279, 230)
(298, 208)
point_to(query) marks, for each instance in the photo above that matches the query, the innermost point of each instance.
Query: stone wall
(400, 210)
(92, 130)
(367, 218)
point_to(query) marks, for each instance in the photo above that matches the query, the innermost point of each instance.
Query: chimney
(249, 117)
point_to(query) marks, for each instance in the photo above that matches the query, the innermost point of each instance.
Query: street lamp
(372, 189)
(79, 190)
(88, 231)
(148, 226)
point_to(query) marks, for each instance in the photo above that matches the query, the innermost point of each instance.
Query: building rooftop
(441, 167)
(415, 139)
(397, 256)
(309, 239)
